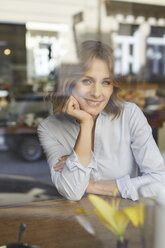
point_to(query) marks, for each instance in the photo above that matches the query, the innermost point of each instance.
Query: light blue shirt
(122, 148)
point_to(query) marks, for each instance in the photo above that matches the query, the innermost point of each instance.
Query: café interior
(38, 46)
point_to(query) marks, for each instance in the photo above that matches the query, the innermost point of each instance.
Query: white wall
(55, 11)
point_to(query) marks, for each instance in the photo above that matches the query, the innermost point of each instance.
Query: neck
(94, 118)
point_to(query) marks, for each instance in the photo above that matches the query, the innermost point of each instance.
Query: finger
(58, 169)
(58, 164)
(70, 105)
(73, 103)
(76, 103)
(63, 157)
(69, 100)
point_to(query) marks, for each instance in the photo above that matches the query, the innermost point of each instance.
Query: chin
(93, 112)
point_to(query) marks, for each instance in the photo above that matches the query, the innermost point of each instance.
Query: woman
(95, 143)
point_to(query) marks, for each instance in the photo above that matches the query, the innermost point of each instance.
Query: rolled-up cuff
(73, 163)
(126, 188)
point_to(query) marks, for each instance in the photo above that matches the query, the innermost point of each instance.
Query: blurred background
(38, 45)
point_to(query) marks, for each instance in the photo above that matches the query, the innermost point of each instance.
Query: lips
(93, 103)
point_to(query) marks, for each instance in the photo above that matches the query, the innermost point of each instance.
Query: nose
(96, 90)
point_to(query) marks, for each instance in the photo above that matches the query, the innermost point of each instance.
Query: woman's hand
(83, 145)
(72, 108)
(102, 187)
(61, 163)
(90, 187)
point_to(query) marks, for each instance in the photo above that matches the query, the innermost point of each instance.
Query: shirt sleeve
(73, 180)
(147, 156)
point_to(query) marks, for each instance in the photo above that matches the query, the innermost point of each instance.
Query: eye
(106, 82)
(86, 81)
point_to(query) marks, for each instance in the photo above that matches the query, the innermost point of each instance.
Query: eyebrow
(108, 78)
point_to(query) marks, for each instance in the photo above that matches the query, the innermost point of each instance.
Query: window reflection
(34, 60)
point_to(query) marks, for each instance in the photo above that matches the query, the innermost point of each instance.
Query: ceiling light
(7, 51)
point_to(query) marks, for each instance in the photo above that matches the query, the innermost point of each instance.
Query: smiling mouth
(93, 103)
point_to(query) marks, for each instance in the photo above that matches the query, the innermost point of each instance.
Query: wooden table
(55, 224)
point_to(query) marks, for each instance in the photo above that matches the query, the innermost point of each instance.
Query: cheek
(79, 91)
(109, 93)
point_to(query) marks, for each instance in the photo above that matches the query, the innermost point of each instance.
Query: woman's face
(95, 88)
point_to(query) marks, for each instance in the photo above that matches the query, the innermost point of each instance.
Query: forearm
(102, 187)
(83, 146)
(129, 187)
(71, 185)
(73, 180)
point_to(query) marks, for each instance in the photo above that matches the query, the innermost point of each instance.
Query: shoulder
(131, 109)
(136, 118)
(50, 120)
(132, 114)
(54, 122)
(127, 110)
(130, 106)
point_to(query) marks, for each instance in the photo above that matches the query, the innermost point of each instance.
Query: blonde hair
(88, 51)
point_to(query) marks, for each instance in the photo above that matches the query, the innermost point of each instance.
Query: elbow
(70, 194)
(74, 197)
(70, 189)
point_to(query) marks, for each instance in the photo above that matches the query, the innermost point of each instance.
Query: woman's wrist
(87, 124)
(103, 188)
